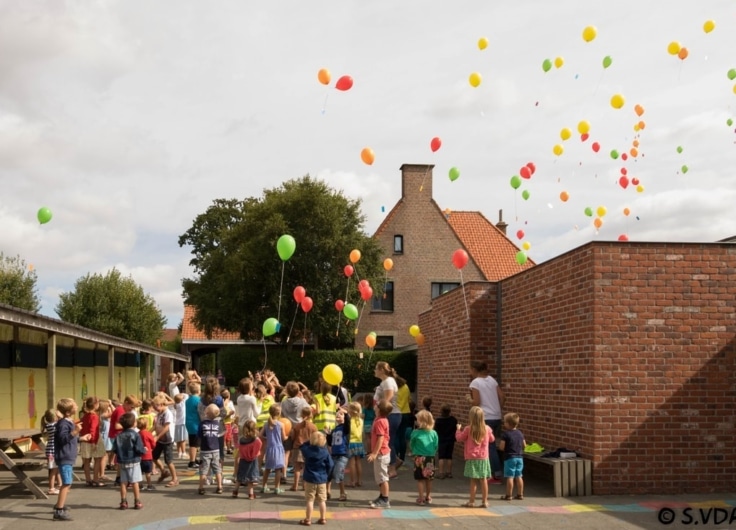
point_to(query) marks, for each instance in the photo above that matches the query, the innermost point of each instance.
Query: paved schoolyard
(172, 508)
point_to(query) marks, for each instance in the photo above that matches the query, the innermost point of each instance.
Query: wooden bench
(31, 460)
(571, 476)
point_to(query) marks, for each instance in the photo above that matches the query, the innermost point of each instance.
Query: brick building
(625, 352)
(421, 238)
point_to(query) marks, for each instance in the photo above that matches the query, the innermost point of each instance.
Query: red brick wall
(625, 352)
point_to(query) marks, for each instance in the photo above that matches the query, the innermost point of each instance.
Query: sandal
(322, 521)
(251, 495)
(163, 476)
(123, 505)
(200, 491)
(468, 504)
(172, 484)
(484, 505)
(235, 494)
(138, 505)
(420, 501)
(505, 497)
(53, 491)
(218, 491)
(305, 522)
(519, 497)
(342, 498)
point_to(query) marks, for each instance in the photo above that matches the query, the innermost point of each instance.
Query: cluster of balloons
(547, 64)
(370, 340)
(301, 298)
(332, 374)
(344, 83)
(475, 79)
(415, 332)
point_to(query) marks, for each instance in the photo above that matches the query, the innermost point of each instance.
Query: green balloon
(732, 74)
(270, 327)
(589, 211)
(607, 61)
(546, 65)
(350, 311)
(684, 169)
(614, 154)
(679, 149)
(521, 257)
(454, 174)
(729, 122)
(525, 195)
(44, 215)
(286, 247)
(515, 182)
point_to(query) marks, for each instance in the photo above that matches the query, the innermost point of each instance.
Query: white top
(487, 388)
(163, 418)
(180, 412)
(388, 384)
(247, 409)
(173, 389)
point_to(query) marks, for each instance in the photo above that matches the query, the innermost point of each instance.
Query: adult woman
(487, 394)
(403, 398)
(388, 390)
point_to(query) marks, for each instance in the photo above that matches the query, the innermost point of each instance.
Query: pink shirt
(380, 428)
(472, 450)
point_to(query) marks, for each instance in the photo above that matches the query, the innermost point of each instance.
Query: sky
(127, 118)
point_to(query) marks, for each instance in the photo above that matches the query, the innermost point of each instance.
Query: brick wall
(625, 352)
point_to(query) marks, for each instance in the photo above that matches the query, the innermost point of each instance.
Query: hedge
(358, 375)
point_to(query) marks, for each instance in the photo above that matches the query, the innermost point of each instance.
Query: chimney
(501, 225)
(416, 181)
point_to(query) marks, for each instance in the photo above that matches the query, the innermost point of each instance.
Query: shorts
(146, 466)
(513, 467)
(164, 449)
(445, 450)
(314, 492)
(100, 449)
(50, 462)
(288, 444)
(66, 472)
(180, 433)
(297, 456)
(356, 449)
(130, 473)
(209, 460)
(338, 471)
(193, 441)
(380, 468)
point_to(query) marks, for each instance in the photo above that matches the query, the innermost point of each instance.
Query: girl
(147, 413)
(49, 427)
(477, 437)
(273, 434)
(423, 446)
(249, 446)
(105, 462)
(180, 425)
(388, 390)
(369, 414)
(356, 452)
(87, 448)
(325, 407)
(228, 421)
(264, 400)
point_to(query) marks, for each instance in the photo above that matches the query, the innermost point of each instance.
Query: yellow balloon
(527, 245)
(559, 61)
(636, 127)
(475, 79)
(589, 33)
(709, 26)
(482, 43)
(640, 188)
(565, 134)
(617, 101)
(734, 89)
(414, 330)
(673, 48)
(583, 127)
(558, 149)
(332, 374)
(601, 211)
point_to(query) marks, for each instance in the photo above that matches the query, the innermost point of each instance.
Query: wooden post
(51, 372)
(111, 371)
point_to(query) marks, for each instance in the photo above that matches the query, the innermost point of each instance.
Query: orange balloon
(634, 152)
(683, 53)
(564, 196)
(420, 339)
(370, 341)
(367, 155)
(355, 256)
(639, 110)
(598, 222)
(627, 212)
(641, 125)
(635, 143)
(324, 76)
(388, 264)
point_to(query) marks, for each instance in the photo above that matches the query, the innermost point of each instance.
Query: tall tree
(18, 284)
(239, 273)
(115, 305)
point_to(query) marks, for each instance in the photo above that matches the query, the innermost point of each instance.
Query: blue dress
(274, 446)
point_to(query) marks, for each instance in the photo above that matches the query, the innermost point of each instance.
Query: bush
(358, 373)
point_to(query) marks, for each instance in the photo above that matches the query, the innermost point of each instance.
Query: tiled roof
(487, 246)
(169, 334)
(190, 333)
(388, 217)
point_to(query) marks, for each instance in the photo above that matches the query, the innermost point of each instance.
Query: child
(87, 449)
(228, 420)
(49, 427)
(380, 453)
(164, 439)
(249, 447)
(356, 452)
(427, 404)
(273, 434)
(301, 433)
(148, 414)
(174, 381)
(191, 408)
(317, 467)
(104, 410)
(128, 405)
(512, 444)
(209, 448)
(180, 425)
(147, 457)
(128, 448)
(369, 414)
(339, 440)
(325, 407)
(66, 447)
(423, 444)
(477, 436)
(445, 425)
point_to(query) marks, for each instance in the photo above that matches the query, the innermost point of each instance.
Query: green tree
(239, 273)
(114, 305)
(18, 284)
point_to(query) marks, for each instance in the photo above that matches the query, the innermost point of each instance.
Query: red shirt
(249, 451)
(114, 420)
(91, 425)
(380, 428)
(149, 443)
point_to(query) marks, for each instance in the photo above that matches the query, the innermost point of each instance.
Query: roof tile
(189, 331)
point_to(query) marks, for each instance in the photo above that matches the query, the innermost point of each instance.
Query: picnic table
(15, 459)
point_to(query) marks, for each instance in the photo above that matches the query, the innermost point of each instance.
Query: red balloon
(307, 304)
(362, 284)
(460, 258)
(623, 237)
(525, 172)
(299, 294)
(584, 137)
(344, 83)
(520, 234)
(635, 181)
(623, 171)
(435, 144)
(366, 293)
(531, 167)
(596, 146)
(624, 156)
(339, 305)
(623, 181)
(348, 270)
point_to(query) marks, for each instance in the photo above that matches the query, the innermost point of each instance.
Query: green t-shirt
(423, 442)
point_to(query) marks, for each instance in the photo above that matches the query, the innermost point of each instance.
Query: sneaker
(138, 505)
(265, 489)
(227, 481)
(493, 480)
(150, 488)
(428, 500)
(420, 501)
(380, 504)
(123, 505)
(62, 515)
(278, 491)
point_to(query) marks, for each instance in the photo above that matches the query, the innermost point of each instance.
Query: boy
(380, 453)
(128, 448)
(339, 441)
(129, 403)
(147, 457)
(512, 444)
(209, 449)
(445, 426)
(164, 439)
(66, 447)
(317, 467)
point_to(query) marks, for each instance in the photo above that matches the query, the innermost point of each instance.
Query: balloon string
(347, 290)
(357, 324)
(288, 338)
(304, 333)
(462, 284)
(281, 289)
(265, 356)
(599, 82)
(426, 173)
(324, 104)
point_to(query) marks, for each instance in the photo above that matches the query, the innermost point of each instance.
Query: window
(384, 342)
(441, 288)
(398, 244)
(384, 302)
